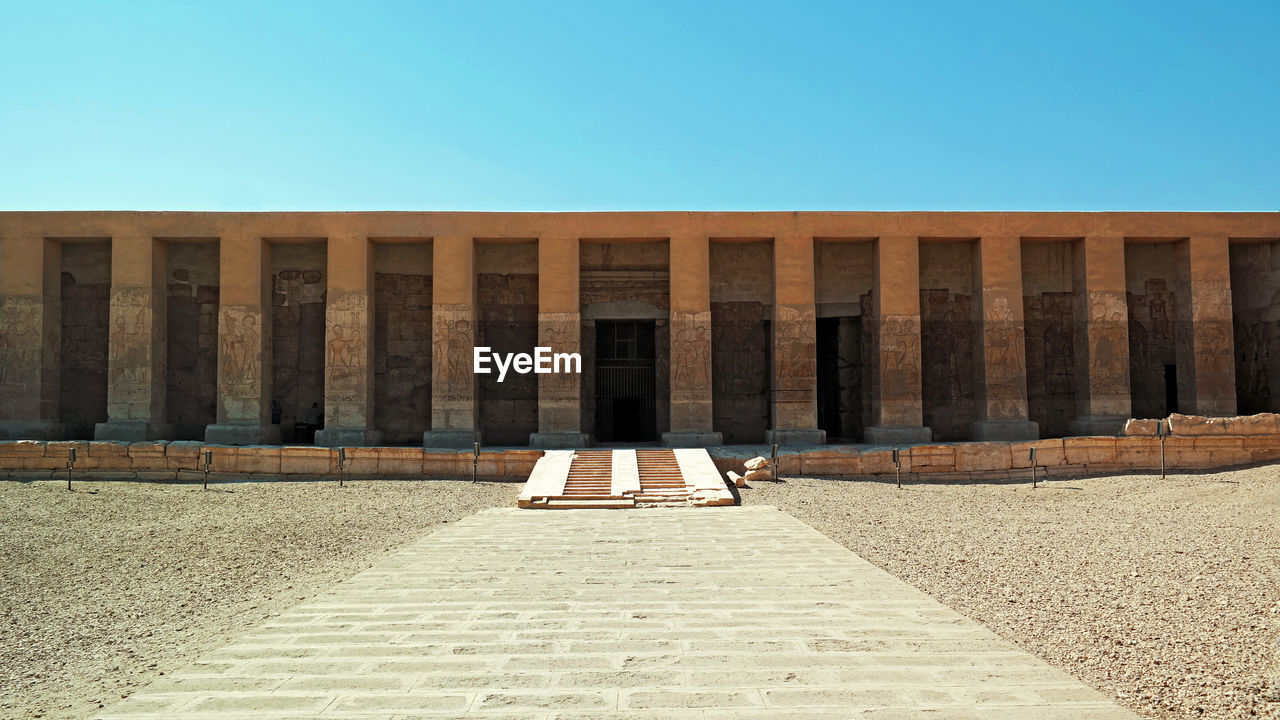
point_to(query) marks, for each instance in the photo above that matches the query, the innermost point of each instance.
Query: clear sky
(611, 105)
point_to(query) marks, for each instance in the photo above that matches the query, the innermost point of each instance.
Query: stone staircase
(565, 479)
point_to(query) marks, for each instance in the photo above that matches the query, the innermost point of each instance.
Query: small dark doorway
(840, 377)
(626, 399)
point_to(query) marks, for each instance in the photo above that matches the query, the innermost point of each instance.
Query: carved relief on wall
(795, 347)
(691, 356)
(899, 370)
(740, 375)
(130, 343)
(346, 349)
(239, 350)
(20, 340)
(452, 345)
(561, 332)
(1004, 344)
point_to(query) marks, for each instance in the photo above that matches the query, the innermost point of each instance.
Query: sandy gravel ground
(1165, 594)
(105, 588)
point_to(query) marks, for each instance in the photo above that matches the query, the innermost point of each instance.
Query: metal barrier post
(897, 466)
(1033, 468)
(208, 461)
(475, 460)
(342, 466)
(71, 463)
(1160, 432)
(773, 462)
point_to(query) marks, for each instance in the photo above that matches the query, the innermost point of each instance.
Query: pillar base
(807, 436)
(242, 434)
(559, 440)
(132, 430)
(453, 439)
(1098, 425)
(33, 430)
(1004, 430)
(348, 437)
(692, 439)
(897, 435)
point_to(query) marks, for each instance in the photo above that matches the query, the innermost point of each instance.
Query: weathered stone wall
(1049, 320)
(192, 377)
(507, 291)
(297, 326)
(1255, 304)
(741, 305)
(86, 311)
(1151, 274)
(402, 341)
(947, 338)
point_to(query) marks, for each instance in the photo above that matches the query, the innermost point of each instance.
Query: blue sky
(611, 105)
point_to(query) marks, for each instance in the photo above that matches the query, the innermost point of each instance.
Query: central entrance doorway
(626, 395)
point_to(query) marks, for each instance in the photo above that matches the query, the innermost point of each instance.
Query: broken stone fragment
(737, 480)
(762, 474)
(756, 463)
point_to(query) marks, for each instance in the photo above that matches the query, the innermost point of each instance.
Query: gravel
(105, 588)
(1164, 594)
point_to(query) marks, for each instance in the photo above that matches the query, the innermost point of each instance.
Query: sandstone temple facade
(694, 328)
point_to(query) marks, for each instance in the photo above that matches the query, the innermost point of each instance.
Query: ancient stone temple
(694, 329)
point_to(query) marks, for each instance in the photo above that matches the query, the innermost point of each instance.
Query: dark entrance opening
(840, 377)
(1170, 389)
(626, 397)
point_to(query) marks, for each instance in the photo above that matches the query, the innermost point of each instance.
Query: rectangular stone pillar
(896, 395)
(348, 352)
(453, 335)
(691, 415)
(1205, 335)
(30, 337)
(795, 345)
(244, 343)
(1103, 402)
(559, 328)
(137, 350)
(1000, 348)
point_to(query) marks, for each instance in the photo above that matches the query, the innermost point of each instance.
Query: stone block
(557, 440)
(256, 459)
(450, 439)
(519, 463)
(1049, 452)
(880, 462)
(184, 455)
(360, 462)
(1139, 451)
(1090, 450)
(896, 435)
(691, 439)
(1135, 426)
(308, 460)
(933, 458)
(22, 448)
(399, 461)
(833, 461)
(106, 456)
(444, 464)
(148, 455)
(983, 457)
(489, 464)
(1260, 424)
(987, 430)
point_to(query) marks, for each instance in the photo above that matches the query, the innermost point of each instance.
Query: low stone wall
(1011, 460)
(184, 460)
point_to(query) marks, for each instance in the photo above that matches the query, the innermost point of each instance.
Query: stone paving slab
(659, 613)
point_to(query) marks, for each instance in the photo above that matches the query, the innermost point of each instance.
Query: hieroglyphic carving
(240, 350)
(346, 363)
(134, 345)
(947, 364)
(1151, 345)
(561, 332)
(795, 347)
(402, 356)
(452, 343)
(21, 335)
(740, 376)
(690, 357)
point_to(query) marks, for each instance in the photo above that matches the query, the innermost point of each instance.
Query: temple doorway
(625, 392)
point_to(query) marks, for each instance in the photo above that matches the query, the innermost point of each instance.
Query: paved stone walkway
(664, 613)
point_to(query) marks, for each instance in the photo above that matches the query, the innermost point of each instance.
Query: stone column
(244, 344)
(453, 334)
(348, 352)
(691, 416)
(1101, 337)
(30, 337)
(795, 346)
(137, 350)
(1000, 346)
(896, 395)
(559, 328)
(1205, 336)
